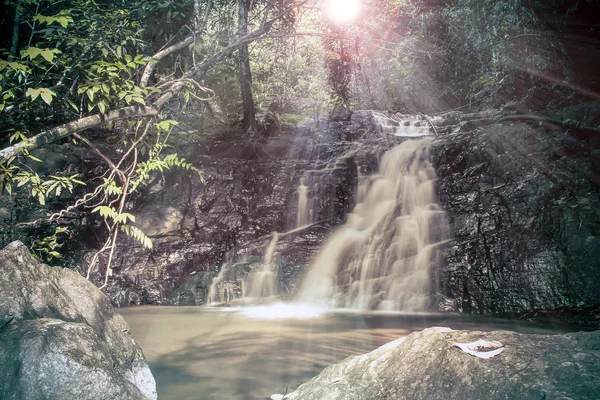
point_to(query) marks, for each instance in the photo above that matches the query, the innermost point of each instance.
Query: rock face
(250, 192)
(428, 365)
(524, 207)
(522, 202)
(65, 341)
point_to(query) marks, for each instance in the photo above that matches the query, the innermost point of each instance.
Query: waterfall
(225, 288)
(308, 196)
(228, 285)
(304, 215)
(263, 283)
(402, 126)
(382, 256)
(313, 188)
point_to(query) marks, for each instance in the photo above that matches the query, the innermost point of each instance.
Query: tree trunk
(14, 40)
(249, 121)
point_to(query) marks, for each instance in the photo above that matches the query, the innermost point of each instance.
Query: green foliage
(109, 83)
(137, 234)
(79, 56)
(46, 249)
(156, 162)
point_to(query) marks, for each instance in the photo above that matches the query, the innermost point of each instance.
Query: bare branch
(149, 70)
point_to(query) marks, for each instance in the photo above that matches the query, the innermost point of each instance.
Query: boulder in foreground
(428, 365)
(60, 338)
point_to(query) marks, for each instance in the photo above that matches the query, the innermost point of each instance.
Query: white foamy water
(406, 126)
(382, 256)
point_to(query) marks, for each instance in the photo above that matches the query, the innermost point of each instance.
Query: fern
(138, 235)
(106, 212)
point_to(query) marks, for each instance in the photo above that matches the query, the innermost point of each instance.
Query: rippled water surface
(201, 353)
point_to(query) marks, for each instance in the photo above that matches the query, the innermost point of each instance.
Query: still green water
(198, 353)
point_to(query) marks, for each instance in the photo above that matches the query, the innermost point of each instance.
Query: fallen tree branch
(580, 130)
(66, 130)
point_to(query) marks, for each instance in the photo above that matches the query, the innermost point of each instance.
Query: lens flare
(342, 11)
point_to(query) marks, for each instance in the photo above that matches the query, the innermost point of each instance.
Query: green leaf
(48, 55)
(166, 124)
(33, 93)
(15, 66)
(31, 52)
(47, 95)
(106, 212)
(33, 158)
(73, 105)
(62, 20)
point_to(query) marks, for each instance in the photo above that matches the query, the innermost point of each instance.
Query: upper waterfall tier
(382, 256)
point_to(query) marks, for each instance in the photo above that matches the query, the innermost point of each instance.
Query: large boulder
(429, 365)
(60, 338)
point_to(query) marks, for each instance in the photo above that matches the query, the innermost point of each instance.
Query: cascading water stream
(305, 212)
(227, 287)
(405, 126)
(263, 283)
(381, 258)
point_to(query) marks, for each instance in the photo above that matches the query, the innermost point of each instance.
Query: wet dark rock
(522, 201)
(521, 205)
(428, 365)
(61, 337)
(339, 114)
(583, 315)
(524, 213)
(250, 192)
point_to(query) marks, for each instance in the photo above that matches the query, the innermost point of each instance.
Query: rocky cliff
(522, 201)
(524, 207)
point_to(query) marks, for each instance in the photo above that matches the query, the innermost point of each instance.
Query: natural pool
(201, 353)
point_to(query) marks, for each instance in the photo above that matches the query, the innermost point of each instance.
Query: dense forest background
(133, 81)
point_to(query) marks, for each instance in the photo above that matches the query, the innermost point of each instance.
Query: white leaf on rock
(481, 348)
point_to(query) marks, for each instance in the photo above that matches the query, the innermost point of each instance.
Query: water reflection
(236, 354)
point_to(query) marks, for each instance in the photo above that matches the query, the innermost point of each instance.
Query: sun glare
(342, 11)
